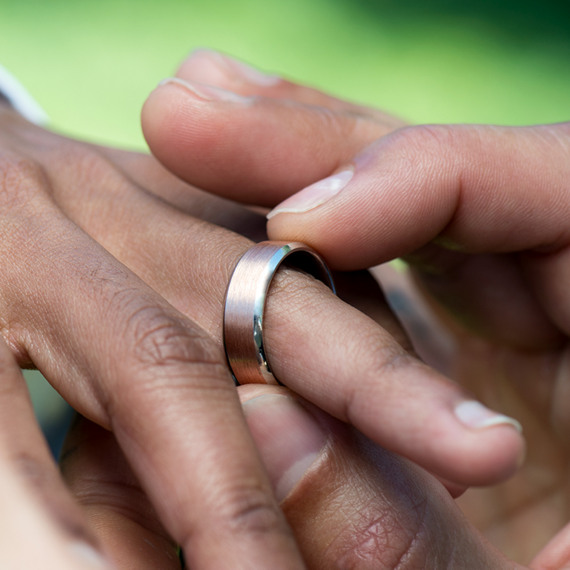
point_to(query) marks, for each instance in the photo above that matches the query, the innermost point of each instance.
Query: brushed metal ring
(245, 304)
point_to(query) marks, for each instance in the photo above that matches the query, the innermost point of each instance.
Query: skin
(90, 511)
(113, 283)
(94, 514)
(480, 214)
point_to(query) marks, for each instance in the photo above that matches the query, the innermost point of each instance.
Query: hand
(353, 504)
(480, 213)
(488, 248)
(195, 128)
(91, 516)
(117, 350)
(99, 517)
(113, 289)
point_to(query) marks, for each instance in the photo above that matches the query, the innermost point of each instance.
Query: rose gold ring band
(245, 303)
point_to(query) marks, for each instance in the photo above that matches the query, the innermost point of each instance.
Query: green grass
(91, 64)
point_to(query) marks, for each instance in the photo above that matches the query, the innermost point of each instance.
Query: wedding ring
(245, 304)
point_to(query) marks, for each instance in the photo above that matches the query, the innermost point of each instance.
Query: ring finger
(316, 341)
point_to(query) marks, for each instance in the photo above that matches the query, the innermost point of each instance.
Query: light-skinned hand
(479, 212)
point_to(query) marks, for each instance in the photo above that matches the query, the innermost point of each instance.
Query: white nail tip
(230, 65)
(314, 195)
(173, 80)
(473, 414)
(501, 420)
(207, 92)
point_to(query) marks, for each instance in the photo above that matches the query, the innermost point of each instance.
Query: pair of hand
(124, 318)
(479, 212)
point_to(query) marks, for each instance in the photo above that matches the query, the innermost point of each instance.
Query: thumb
(351, 504)
(473, 188)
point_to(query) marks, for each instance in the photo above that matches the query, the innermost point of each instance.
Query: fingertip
(217, 68)
(350, 216)
(243, 134)
(474, 457)
(336, 217)
(247, 392)
(482, 448)
(179, 106)
(400, 196)
(202, 64)
(185, 124)
(314, 195)
(503, 456)
(156, 114)
(159, 124)
(286, 433)
(477, 416)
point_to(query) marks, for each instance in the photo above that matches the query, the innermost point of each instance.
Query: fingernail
(314, 195)
(288, 437)
(88, 555)
(205, 92)
(475, 415)
(237, 68)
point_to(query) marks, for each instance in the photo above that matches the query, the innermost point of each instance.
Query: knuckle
(382, 361)
(436, 141)
(250, 509)
(91, 170)
(341, 125)
(118, 496)
(20, 180)
(149, 351)
(387, 359)
(157, 339)
(425, 136)
(243, 509)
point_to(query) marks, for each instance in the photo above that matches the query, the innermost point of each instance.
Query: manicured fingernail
(89, 556)
(314, 195)
(288, 437)
(237, 68)
(473, 414)
(205, 92)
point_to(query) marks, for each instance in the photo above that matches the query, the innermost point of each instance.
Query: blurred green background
(91, 64)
